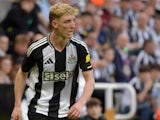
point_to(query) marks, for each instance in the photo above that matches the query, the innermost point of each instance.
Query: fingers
(74, 113)
(15, 117)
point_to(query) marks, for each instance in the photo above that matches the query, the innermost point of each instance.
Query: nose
(72, 24)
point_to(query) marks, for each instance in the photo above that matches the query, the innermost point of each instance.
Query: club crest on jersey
(57, 76)
(72, 59)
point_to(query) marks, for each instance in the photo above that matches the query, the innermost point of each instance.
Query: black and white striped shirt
(53, 75)
(145, 58)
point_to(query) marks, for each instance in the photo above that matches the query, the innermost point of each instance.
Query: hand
(75, 111)
(149, 84)
(16, 114)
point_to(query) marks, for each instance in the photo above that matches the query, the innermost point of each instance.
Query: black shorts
(37, 116)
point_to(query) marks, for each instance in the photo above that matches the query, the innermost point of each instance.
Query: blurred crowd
(123, 37)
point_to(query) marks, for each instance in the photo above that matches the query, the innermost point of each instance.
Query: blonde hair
(60, 9)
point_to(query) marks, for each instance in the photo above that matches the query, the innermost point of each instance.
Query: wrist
(82, 102)
(17, 104)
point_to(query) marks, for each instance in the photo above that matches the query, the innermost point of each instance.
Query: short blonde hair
(60, 9)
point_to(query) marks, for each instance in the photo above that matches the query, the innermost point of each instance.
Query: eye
(67, 21)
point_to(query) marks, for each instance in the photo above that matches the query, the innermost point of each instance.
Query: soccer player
(53, 63)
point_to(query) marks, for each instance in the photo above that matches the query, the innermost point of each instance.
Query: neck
(58, 41)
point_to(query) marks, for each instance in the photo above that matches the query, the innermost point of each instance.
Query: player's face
(65, 26)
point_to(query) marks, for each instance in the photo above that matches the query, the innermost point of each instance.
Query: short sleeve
(84, 57)
(28, 61)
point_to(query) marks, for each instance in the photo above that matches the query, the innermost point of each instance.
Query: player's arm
(85, 65)
(76, 109)
(20, 82)
(88, 88)
(19, 86)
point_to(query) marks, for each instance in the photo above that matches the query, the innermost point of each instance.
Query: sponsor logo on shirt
(57, 76)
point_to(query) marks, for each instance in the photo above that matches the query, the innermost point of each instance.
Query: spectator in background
(154, 3)
(155, 72)
(150, 11)
(20, 47)
(106, 11)
(155, 75)
(108, 72)
(136, 7)
(147, 55)
(124, 26)
(94, 110)
(109, 33)
(5, 69)
(86, 24)
(24, 16)
(143, 84)
(123, 70)
(96, 61)
(141, 32)
(156, 31)
(97, 21)
(4, 44)
(78, 28)
(123, 10)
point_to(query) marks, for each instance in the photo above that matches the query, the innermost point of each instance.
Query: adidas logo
(49, 61)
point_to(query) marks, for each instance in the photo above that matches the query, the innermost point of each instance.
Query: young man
(53, 63)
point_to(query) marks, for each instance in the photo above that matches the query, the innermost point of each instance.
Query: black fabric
(60, 66)
(74, 87)
(38, 86)
(37, 116)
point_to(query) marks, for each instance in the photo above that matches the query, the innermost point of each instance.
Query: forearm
(88, 89)
(19, 86)
(142, 96)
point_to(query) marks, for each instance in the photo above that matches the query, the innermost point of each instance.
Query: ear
(54, 23)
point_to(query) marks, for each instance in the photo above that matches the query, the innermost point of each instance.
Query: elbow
(93, 82)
